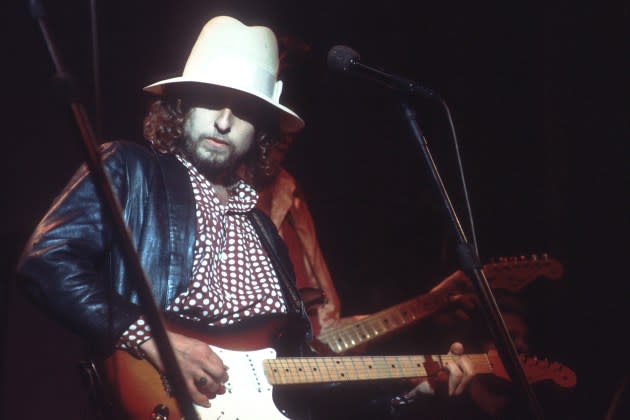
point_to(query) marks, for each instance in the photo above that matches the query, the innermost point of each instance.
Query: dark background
(538, 96)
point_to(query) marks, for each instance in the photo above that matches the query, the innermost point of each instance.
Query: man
(489, 396)
(281, 198)
(212, 260)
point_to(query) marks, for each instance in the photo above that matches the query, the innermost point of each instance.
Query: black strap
(294, 301)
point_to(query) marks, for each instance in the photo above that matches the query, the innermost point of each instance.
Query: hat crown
(225, 36)
(231, 54)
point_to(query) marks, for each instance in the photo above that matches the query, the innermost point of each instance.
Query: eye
(248, 113)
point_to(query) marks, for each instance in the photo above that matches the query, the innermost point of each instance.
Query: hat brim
(289, 120)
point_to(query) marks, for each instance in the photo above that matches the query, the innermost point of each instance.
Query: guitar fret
(353, 337)
(408, 313)
(340, 344)
(396, 319)
(405, 314)
(336, 345)
(415, 309)
(512, 275)
(361, 333)
(374, 327)
(386, 323)
(381, 323)
(254, 373)
(316, 369)
(434, 302)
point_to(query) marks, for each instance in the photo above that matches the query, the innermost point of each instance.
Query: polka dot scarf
(232, 276)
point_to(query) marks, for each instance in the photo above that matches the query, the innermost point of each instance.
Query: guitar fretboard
(359, 368)
(511, 275)
(344, 338)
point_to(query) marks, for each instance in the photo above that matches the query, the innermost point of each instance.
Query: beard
(209, 161)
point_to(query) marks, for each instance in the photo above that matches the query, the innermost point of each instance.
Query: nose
(224, 121)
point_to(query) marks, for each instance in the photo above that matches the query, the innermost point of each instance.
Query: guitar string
(326, 369)
(328, 337)
(374, 321)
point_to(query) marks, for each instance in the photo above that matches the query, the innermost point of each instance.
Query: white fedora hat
(230, 54)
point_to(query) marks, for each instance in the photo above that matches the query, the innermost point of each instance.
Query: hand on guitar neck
(450, 301)
(141, 386)
(255, 371)
(454, 376)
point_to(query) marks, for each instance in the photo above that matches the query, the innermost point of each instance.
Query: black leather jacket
(72, 266)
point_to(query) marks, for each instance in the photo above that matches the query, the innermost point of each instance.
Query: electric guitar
(142, 392)
(511, 274)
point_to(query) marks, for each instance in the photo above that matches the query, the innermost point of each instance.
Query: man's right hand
(203, 371)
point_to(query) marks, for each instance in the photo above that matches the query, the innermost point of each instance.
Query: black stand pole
(112, 206)
(469, 263)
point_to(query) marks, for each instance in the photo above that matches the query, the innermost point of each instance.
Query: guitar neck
(512, 274)
(346, 337)
(140, 388)
(285, 371)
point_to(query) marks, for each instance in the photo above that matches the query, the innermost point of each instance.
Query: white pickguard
(248, 394)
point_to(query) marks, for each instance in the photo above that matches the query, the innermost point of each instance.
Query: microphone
(344, 59)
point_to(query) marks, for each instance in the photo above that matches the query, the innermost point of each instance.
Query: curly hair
(163, 128)
(163, 124)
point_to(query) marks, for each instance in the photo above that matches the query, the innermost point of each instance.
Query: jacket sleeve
(302, 221)
(61, 268)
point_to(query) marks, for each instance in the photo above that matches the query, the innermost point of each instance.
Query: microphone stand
(111, 205)
(469, 262)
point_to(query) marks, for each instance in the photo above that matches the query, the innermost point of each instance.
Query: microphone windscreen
(37, 9)
(341, 57)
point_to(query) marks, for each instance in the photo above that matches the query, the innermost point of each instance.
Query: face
(216, 139)
(518, 330)
(279, 152)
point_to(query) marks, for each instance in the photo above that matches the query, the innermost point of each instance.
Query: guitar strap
(295, 303)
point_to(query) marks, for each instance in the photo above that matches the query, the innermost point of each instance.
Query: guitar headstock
(540, 370)
(514, 273)
(536, 370)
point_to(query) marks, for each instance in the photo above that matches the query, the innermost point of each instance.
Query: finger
(460, 370)
(468, 302)
(197, 396)
(460, 280)
(456, 349)
(456, 373)
(208, 386)
(465, 365)
(216, 373)
(215, 368)
(455, 376)
(423, 387)
(462, 315)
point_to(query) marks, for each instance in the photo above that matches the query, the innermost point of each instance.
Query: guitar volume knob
(160, 412)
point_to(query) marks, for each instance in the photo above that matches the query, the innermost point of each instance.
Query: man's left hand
(456, 374)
